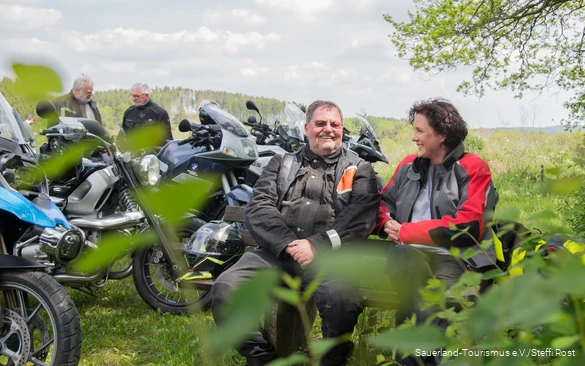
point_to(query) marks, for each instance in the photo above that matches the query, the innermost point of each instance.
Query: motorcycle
(40, 323)
(366, 145)
(97, 194)
(286, 136)
(220, 145)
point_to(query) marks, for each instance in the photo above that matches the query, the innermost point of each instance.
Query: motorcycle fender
(241, 193)
(13, 262)
(16, 204)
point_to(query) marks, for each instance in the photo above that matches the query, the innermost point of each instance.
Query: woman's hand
(392, 229)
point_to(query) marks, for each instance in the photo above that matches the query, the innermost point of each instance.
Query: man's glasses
(136, 95)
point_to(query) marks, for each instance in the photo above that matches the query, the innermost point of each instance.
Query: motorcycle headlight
(149, 171)
(250, 148)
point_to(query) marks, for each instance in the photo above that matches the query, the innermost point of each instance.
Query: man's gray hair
(80, 81)
(322, 103)
(143, 87)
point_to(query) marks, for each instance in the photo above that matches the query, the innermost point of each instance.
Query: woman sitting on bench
(439, 187)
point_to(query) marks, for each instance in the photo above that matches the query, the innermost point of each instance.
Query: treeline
(183, 103)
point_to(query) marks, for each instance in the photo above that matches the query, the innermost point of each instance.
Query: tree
(518, 45)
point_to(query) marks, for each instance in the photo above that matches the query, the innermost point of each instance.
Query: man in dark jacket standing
(145, 112)
(78, 102)
(306, 204)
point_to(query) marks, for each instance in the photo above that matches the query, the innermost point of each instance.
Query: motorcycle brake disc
(15, 339)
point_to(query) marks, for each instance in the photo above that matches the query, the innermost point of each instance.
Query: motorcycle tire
(40, 323)
(155, 283)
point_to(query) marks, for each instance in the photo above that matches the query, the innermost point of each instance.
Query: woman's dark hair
(443, 118)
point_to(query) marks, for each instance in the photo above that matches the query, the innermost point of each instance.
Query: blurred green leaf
(565, 186)
(294, 283)
(112, 246)
(469, 252)
(36, 82)
(562, 323)
(525, 301)
(553, 171)
(508, 213)
(294, 359)
(493, 274)
(289, 296)
(357, 264)
(243, 311)
(313, 286)
(486, 244)
(60, 163)
(565, 342)
(172, 201)
(426, 338)
(144, 138)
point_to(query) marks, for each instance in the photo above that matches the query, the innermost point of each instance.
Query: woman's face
(430, 144)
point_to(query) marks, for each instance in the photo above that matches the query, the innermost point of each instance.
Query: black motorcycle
(40, 324)
(98, 195)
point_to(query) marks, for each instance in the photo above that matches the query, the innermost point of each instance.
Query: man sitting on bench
(306, 204)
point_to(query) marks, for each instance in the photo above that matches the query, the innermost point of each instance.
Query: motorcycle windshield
(10, 123)
(367, 128)
(212, 110)
(294, 123)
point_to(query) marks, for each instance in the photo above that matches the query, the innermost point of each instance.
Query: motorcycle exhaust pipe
(71, 280)
(116, 221)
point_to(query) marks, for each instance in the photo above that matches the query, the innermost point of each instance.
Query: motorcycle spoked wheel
(156, 285)
(53, 329)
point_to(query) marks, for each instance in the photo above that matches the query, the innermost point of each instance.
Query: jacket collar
(421, 165)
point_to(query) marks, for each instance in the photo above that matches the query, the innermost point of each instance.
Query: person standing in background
(78, 102)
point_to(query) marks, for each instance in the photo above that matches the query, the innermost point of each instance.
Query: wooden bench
(283, 326)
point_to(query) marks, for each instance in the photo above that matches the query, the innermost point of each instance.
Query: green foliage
(242, 313)
(520, 45)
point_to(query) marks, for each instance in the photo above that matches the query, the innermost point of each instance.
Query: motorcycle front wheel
(156, 283)
(40, 324)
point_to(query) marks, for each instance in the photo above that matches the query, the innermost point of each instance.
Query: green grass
(120, 329)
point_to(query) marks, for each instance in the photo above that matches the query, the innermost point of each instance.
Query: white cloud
(239, 15)
(27, 46)
(118, 66)
(148, 41)
(247, 16)
(18, 17)
(235, 41)
(254, 71)
(306, 10)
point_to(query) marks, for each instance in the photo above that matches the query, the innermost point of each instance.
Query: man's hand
(392, 229)
(302, 251)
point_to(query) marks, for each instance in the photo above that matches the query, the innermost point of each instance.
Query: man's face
(139, 98)
(324, 131)
(84, 95)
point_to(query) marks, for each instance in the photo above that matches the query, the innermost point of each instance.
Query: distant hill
(550, 130)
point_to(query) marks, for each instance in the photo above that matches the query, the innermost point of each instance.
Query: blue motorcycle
(40, 324)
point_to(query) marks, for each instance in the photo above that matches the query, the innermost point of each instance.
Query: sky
(291, 50)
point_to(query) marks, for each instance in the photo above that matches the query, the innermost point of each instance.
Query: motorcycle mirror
(282, 132)
(185, 125)
(47, 110)
(304, 109)
(252, 120)
(252, 106)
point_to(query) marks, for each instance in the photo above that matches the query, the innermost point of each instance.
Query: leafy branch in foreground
(521, 45)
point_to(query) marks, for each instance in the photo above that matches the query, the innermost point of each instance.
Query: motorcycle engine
(64, 244)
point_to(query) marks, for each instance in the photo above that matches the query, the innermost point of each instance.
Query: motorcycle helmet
(214, 247)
